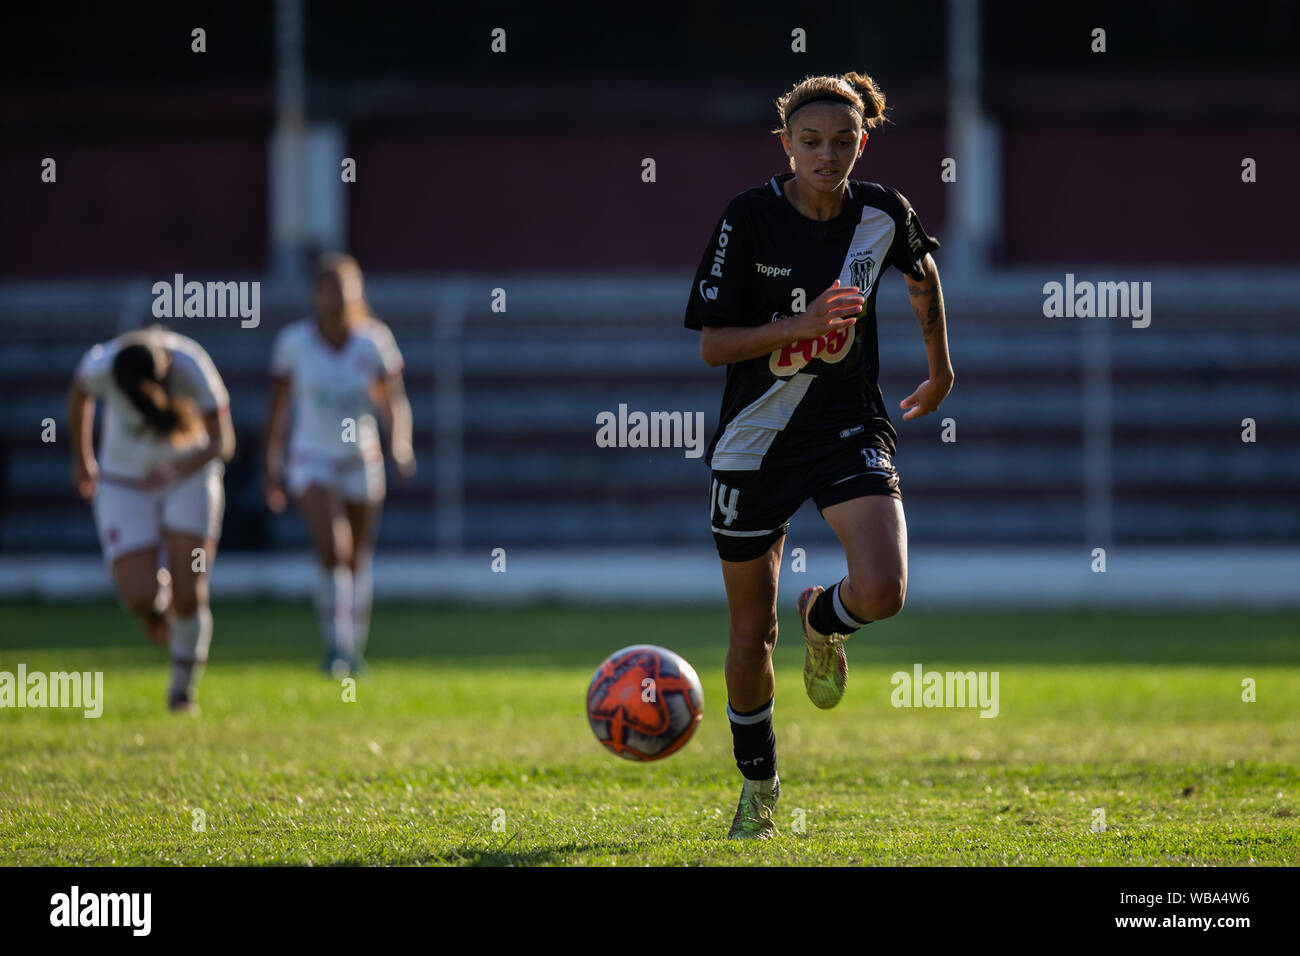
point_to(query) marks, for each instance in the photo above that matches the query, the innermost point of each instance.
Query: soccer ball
(644, 702)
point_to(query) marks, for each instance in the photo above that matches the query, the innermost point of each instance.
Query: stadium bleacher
(505, 412)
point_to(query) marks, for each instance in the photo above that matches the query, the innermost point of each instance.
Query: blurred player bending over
(802, 414)
(165, 437)
(337, 366)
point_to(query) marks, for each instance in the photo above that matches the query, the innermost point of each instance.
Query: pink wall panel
(1152, 194)
(576, 201)
(135, 206)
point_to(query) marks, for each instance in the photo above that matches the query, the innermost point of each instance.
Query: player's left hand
(405, 462)
(928, 396)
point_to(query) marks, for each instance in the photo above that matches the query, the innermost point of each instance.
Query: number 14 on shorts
(726, 505)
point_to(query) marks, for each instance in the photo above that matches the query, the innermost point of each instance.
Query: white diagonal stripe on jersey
(874, 232)
(750, 434)
(740, 534)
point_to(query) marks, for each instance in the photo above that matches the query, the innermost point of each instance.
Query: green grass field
(468, 744)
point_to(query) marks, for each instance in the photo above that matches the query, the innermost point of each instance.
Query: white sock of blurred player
(334, 608)
(190, 638)
(363, 589)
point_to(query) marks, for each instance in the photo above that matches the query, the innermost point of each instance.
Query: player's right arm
(720, 307)
(835, 308)
(81, 422)
(276, 428)
(88, 382)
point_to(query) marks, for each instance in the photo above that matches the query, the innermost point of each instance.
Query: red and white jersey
(129, 448)
(332, 385)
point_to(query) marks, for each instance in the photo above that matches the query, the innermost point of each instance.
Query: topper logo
(831, 348)
(720, 253)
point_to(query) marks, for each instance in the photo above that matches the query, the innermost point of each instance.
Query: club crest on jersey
(860, 269)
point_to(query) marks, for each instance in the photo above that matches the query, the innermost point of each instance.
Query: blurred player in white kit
(156, 484)
(335, 369)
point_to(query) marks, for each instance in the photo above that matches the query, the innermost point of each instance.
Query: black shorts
(750, 510)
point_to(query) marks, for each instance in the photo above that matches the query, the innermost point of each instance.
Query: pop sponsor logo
(831, 348)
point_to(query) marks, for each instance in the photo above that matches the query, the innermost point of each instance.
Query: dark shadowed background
(480, 170)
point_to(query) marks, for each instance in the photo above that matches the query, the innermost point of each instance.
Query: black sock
(830, 616)
(753, 741)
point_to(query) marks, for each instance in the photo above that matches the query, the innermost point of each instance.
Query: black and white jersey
(766, 260)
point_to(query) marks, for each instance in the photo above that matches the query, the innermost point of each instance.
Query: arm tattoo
(932, 319)
(927, 305)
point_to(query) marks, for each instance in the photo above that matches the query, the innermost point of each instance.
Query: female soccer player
(337, 366)
(785, 298)
(165, 439)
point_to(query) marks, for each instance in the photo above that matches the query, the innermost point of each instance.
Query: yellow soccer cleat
(825, 668)
(754, 814)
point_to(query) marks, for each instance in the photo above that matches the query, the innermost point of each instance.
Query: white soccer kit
(334, 438)
(128, 516)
